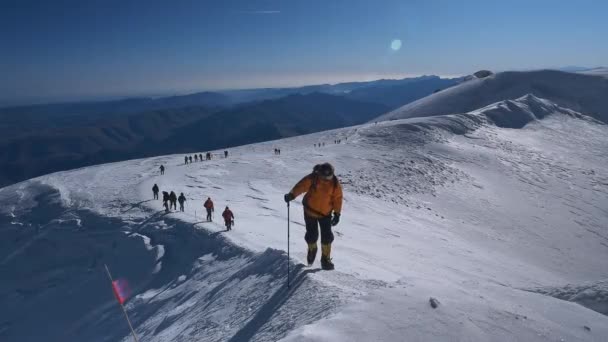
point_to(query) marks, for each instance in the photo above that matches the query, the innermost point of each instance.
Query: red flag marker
(121, 292)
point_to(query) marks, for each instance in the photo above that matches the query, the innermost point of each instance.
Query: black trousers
(156, 195)
(312, 229)
(208, 214)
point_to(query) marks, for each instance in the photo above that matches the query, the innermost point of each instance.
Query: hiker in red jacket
(209, 206)
(228, 218)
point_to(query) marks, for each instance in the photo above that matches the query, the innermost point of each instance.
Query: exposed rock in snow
(483, 73)
(434, 303)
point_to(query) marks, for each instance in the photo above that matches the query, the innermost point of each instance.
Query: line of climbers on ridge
(199, 157)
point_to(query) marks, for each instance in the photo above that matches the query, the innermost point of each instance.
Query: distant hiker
(166, 199)
(323, 196)
(225, 154)
(173, 198)
(228, 218)
(200, 157)
(162, 169)
(155, 191)
(186, 160)
(190, 158)
(195, 158)
(279, 150)
(181, 199)
(208, 155)
(209, 206)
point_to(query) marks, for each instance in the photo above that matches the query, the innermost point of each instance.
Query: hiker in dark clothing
(209, 207)
(195, 158)
(228, 218)
(208, 155)
(155, 191)
(200, 157)
(190, 159)
(166, 199)
(181, 199)
(173, 198)
(225, 154)
(162, 169)
(186, 160)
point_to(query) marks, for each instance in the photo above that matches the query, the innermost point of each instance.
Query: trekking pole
(288, 245)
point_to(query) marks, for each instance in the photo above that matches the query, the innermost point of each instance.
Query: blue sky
(71, 50)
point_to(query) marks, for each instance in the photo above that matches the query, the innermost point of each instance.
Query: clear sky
(69, 50)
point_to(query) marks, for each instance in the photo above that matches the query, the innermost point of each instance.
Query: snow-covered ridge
(515, 113)
(583, 93)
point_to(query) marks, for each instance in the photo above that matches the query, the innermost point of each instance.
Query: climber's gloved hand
(289, 197)
(335, 220)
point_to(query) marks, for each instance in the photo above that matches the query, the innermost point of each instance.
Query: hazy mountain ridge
(191, 129)
(46, 138)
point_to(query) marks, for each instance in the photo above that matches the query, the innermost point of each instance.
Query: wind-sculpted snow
(495, 212)
(592, 295)
(191, 284)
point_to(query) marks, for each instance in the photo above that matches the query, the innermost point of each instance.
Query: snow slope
(585, 93)
(498, 213)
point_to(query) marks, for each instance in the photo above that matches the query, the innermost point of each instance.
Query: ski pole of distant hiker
(121, 299)
(288, 245)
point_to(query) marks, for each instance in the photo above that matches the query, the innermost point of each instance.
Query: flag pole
(121, 305)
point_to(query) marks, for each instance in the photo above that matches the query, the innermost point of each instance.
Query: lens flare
(396, 44)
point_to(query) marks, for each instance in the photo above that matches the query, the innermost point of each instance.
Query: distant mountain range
(39, 139)
(80, 141)
(387, 92)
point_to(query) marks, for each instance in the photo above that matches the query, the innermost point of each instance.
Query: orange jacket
(322, 195)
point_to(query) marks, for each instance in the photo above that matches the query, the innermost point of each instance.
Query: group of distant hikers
(170, 199)
(322, 204)
(199, 157)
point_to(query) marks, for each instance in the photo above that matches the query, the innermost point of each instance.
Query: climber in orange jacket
(323, 198)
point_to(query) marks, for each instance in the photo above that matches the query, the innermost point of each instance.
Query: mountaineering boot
(312, 253)
(326, 263)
